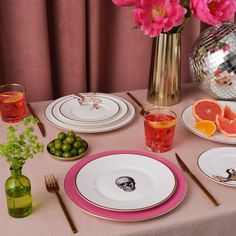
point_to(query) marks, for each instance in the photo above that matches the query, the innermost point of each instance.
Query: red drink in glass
(12, 103)
(159, 126)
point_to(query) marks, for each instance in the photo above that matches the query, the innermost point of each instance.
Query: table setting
(99, 192)
(119, 180)
(156, 161)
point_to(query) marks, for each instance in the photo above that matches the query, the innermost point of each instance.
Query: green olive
(61, 135)
(78, 138)
(74, 152)
(70, 139)
(51, 144)
(77, 144)
(52, 150)
(71, 134)
(58, 153)
(58, 144)
(85, 144)
(66, 154)
(66, 147)
(81, 150)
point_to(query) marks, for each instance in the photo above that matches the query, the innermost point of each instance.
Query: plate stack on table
(90, 112)
(125, 185)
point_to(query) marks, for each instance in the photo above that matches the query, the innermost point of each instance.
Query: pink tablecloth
(195, 216)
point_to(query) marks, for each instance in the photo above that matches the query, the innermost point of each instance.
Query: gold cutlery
(142, 111)
(187, 170)
(40, 124)
(53, 187)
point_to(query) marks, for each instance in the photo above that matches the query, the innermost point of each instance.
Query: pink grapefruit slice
(207, 109)
(226, 126)
(228, 113)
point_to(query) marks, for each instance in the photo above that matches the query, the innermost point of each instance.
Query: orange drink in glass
(12, 102)
(159, 128)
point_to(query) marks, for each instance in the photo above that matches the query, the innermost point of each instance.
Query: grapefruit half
(207, 109)
(226, 126)
(228, 113)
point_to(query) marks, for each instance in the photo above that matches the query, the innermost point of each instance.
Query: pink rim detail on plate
(161, 209)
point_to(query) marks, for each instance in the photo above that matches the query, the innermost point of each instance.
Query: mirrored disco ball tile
(213, 61)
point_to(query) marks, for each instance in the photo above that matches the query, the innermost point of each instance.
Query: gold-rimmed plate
(219, 165)
(171, 203)
(125, 182)
(125, 120)
(189, 122)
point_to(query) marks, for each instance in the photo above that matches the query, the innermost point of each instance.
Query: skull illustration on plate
(126, 183)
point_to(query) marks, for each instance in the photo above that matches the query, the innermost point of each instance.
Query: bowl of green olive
(67, 146)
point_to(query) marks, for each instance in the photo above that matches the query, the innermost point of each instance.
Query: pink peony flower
(155, 16)
(122, 3)
(213, 12)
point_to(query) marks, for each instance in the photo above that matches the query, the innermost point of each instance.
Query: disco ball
(213, 61)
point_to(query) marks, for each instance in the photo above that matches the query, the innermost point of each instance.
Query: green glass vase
(18, 194)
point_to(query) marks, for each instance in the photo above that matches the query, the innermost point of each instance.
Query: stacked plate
(90, 112)
(125, 185)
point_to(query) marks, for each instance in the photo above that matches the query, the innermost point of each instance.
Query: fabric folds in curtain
(43, 46)
(59, 47)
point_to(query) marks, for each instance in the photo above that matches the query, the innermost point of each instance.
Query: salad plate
(189, 121)
(219, 165)
(123, 109)
(127, 182)
(96, 108)
(136, 215)
(125, 120)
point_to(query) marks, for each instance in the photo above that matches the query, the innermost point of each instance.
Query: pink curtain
(59, 47)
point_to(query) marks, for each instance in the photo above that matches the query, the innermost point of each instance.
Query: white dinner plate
(125, 182)
(96, 108)
(218, 164)
(123, 109)
(189, 122)
(126, 119)
(125, 216)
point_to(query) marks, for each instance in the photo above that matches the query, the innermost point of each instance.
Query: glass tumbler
(159, 129)
(12, 102)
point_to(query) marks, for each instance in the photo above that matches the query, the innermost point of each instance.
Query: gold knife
(142, 111)
(40, 124)
(186, 169)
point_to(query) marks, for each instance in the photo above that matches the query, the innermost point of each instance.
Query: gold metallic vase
(165, 70)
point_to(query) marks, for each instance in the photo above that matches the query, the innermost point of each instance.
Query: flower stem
(183, 24)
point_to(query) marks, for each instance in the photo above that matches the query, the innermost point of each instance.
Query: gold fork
(53, 187)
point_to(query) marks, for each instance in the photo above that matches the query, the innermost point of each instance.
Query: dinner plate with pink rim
(125, 182)
(171, 203)
(219, 165)
(123, 109)
(189, 122)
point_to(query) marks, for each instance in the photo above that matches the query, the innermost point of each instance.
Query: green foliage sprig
(21, 146)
